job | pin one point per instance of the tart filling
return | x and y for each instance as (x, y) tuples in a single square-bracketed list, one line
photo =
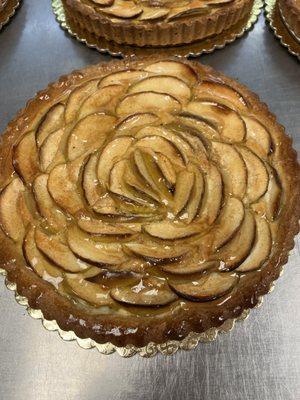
[(146, 199)]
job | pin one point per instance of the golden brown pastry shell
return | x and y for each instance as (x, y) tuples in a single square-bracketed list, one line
[(140, 330), (290, 10)]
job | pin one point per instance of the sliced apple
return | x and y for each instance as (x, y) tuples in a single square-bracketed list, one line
[(258, 138), (96, 252), (147, 292), (90, 184), (171, 230), (111, 154), (98, 227), (93, 293), (103, 2), (25, 157), (123, 9), (232, 167), (189, 266), (11, 220), (184, 185), (166, 167), (163, 84), (89, 134), (103, 99), (229, 123), (212, 198), (187, 10), (203, 127), (261, 248), (124, 77), (46, 206), (58, 252), (133, 178), (257, 175), (174, 68), (136, 121), (210, 287), (195, 197), (77, 97), (239, 247), (36, 259), (50, 149), (51, 122), (152, 13), (157, 251)]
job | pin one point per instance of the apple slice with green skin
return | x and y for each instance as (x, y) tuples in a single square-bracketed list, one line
[(184, 11), (123, 77), (46, 206), (257, 175), (50, 151), (258, 138), (184, 184), (196, 195), (103, 99), (147, 292), (123, 9), (136, 121), (228, 222), (93, 293), (86, 248), (58, 252), (152, 13), (225, 94), (36, 259), (163, 84), (261, 249), (25, 157), (174, 68), (77, 97), (98, 227), (89, 134), (212, 198), (234, 252), (52, 121), (147, 102), (157, 251), (210, 287), (232, 168), (171, 230), (229, 123), (111, 154), (11, 220)]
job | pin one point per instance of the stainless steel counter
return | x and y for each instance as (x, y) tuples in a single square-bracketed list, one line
[(259, 360)]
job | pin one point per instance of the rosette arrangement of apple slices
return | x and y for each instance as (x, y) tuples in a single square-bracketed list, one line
[(145, 185)]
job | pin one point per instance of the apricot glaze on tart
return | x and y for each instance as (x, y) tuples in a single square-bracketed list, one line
[(290, 10), (156, 22), (142, 200)]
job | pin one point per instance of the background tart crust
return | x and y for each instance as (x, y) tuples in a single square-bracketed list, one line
[(291, 12), (139, 330), (157, 32)]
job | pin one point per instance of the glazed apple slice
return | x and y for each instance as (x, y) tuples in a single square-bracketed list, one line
[(77, 97), (239, 247), (136, 121), (171, 230), (123, 77), (111, 154), (93, 293), (163, 84), (147, 292), (58, 252), (258, 138), (187, 10), (147, 102), (167, 169), (189, 266), (103, 2), (50, 154), (11, 220), (99, 227), (91, 186), (257, 175), (225, 94), (210, 287), (174, 68), (89, 134), (123, 9), (25, 157), (152, 13), (102, 99), (134, 179), (52, 121), (261, 248), (195, 197), (184, 185), (229, 123), (36, 259), (93, 251), (204, 128), (232, 167), (157, 251), (46, 206), (212, 198)]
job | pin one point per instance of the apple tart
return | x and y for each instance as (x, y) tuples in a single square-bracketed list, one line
[(290, 10), (145, 199), (156, 22), (2, 4)]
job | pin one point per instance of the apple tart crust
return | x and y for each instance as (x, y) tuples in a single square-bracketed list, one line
[(156, 22), (290, 10), (145, 199)]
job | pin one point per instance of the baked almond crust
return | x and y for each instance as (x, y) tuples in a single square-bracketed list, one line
[(157, 32), (290, 10), (164, 323)]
